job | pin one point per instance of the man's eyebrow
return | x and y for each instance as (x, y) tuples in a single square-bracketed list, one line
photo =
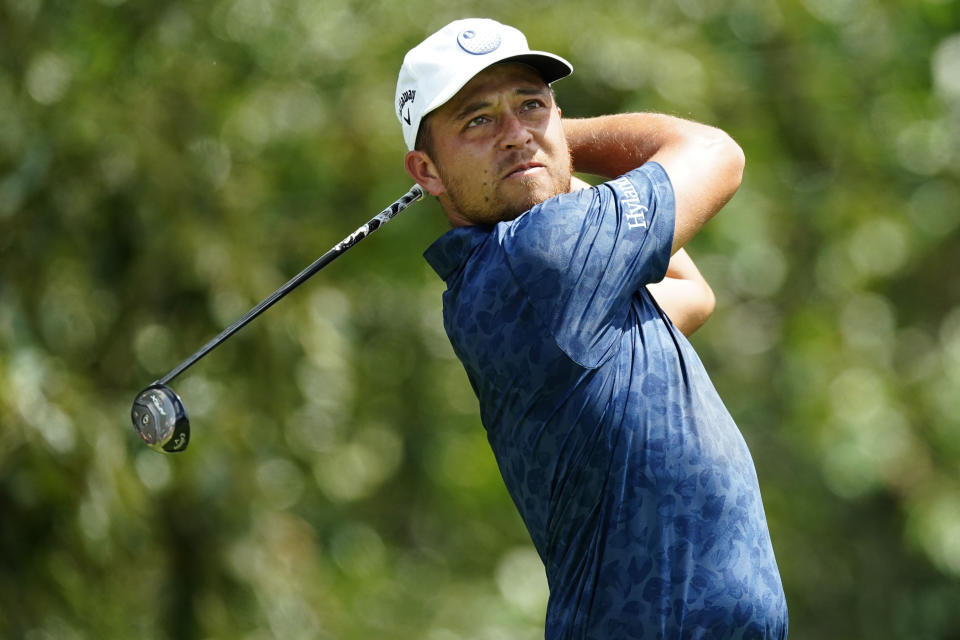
[(470, 107)]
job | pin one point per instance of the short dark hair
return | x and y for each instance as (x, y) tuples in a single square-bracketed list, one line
[(424, 141)]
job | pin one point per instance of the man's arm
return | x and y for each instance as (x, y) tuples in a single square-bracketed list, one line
[(704, 164), (705, 167), (684, 294)]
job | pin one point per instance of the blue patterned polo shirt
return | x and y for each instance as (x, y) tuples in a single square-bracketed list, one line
[(635, 484)]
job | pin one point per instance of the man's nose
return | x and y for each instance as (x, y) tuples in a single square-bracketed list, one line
[(514, 133)]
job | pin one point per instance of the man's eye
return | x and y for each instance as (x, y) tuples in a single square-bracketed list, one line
[(532, 104), (473, 122)]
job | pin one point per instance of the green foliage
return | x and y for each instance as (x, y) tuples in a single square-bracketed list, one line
[(165, 165)]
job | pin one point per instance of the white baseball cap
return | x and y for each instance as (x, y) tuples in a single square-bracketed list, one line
[(437, 68)]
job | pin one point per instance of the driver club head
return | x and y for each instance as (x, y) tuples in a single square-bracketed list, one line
[(160, 419)]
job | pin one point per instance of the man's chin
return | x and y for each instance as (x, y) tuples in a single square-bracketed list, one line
[(526, 194), (510, 200), (517, 206)]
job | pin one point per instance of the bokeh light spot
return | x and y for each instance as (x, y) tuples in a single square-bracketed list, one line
[(48, 78), (522, 582)]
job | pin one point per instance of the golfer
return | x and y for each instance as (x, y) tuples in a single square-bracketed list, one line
[(568, 306)]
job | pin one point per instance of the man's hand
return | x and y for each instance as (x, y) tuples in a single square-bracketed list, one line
[(684, 294), (705, 165)]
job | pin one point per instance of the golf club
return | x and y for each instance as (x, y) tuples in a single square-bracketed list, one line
[(158, 414)]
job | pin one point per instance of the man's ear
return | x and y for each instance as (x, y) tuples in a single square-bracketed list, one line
[(422, 169)]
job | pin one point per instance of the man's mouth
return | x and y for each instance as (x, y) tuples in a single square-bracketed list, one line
[(523, 169)]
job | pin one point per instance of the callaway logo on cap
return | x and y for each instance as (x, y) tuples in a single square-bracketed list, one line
[(437, 68)]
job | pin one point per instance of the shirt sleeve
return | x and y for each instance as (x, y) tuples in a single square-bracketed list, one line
[(581, 256)]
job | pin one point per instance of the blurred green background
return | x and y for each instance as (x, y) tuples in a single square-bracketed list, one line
[(165, 165)]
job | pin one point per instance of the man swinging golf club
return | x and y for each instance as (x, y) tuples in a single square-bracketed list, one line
[(568, 306)]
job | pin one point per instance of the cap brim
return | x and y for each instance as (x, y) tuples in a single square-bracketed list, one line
[(550, 67)]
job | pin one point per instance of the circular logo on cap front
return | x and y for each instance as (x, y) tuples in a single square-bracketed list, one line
[(478, 41)]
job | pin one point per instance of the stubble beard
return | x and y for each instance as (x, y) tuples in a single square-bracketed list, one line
[(491, 208)]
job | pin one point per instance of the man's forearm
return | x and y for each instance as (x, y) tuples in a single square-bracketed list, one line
[(684, 294), (611, 145)]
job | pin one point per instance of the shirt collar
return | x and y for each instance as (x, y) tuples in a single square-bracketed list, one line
[(450, 251)]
